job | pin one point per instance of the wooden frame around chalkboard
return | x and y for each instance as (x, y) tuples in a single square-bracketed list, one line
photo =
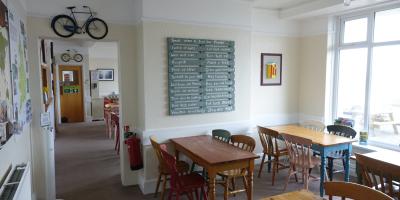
[(276, 60)]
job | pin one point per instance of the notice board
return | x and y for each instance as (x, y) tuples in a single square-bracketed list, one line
[(201, 76)]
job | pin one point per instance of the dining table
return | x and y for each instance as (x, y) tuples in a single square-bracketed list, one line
[(216, 156), (295, 195), (325, 143)]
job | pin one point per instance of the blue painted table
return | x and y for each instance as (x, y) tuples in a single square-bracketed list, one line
[(324, 143)]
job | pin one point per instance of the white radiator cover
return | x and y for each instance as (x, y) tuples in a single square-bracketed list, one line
[(24, 191)]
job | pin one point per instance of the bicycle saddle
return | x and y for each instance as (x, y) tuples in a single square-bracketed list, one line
[(71, 7)]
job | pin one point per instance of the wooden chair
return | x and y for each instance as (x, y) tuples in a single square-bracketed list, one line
[(245, 143), (107, 119), (183, 183), (353, 191), (300, 157), (116, 130), (379, 175), (222, 135), (270, 142), (164, 174), (344, 131), (313, 125)]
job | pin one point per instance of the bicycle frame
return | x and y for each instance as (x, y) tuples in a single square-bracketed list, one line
[(81, 12)]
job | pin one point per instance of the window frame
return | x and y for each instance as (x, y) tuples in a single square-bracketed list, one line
[(369, 44)]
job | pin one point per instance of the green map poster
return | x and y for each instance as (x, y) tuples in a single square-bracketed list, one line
[(19, 70), (5, 81)]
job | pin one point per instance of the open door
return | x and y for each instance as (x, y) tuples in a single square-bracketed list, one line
[(71, 94)]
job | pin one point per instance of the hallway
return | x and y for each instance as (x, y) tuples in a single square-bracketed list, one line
[(87, 167)]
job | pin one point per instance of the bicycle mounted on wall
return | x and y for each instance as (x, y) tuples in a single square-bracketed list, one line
[(67, 56), (67, 25)]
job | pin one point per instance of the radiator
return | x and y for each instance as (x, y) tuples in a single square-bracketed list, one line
[(18, 184)]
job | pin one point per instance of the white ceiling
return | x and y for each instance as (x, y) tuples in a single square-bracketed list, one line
[(277, 4), (131, 11), (110, 10)]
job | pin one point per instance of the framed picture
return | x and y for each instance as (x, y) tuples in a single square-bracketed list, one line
[(105, 74), (271, 69)]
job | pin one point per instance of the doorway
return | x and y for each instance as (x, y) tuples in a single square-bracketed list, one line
[(71, 94)]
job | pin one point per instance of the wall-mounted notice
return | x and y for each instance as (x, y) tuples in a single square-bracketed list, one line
[(201, 76)]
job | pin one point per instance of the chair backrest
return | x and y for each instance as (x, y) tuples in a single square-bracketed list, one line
[(221, 134), (353, 191), (244, 142), (378, 175), (170, 163), (269, 140), (157, 149), (299, 150), (313, 125), (341, 130)]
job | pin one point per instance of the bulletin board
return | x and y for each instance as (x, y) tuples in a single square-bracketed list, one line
[(201, 76)]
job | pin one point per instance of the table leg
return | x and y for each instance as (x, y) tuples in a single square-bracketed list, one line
[(250, 171), (211, 185), (322, 171), (269, 164), (347, 168)]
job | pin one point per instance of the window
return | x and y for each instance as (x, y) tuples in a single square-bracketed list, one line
[(367, 75)]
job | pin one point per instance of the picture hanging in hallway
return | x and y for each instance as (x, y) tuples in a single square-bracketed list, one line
[(105, 74)]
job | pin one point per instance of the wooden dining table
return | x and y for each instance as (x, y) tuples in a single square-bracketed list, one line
[(216, 156), (295, 195), (324, 143)]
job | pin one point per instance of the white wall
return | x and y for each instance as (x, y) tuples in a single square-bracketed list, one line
[(275, 104), (17, 150), (104, 55)]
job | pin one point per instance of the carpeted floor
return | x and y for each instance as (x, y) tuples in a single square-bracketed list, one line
[(87, 168)]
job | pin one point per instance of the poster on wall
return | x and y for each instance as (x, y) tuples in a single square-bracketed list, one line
[(22, 109), (271, 69), (5, 76)]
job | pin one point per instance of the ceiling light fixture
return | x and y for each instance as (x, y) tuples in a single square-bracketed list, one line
[(346, 2)]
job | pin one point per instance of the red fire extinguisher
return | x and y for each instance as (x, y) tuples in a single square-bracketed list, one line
[(134, 152)]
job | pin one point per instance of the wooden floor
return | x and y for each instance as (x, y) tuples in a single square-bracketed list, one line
[(87, 168)]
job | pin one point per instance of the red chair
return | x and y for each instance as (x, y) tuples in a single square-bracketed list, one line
[(183, 183)]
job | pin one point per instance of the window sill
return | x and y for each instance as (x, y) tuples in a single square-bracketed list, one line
[(371, 147)]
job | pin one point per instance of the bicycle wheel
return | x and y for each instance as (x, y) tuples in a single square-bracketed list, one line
[(65, 57), (78, 57), (97, 28), (63, 26)]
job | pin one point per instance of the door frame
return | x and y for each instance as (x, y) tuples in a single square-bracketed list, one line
[(58, 92)]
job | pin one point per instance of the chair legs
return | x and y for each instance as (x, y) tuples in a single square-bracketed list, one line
[(288, 178), (158, 185), (164, 187), (330, 169), (292, 171), (261, 166)]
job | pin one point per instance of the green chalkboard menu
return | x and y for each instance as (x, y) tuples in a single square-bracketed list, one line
[(201, 76)]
